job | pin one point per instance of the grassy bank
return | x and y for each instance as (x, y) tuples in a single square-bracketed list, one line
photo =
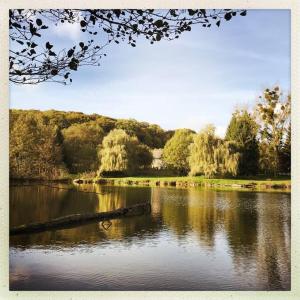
[(249, 183)]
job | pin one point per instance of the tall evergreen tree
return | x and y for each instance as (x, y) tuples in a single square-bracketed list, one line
[(285, 157), (242, 129)]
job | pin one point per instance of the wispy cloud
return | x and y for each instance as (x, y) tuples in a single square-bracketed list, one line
[(197, 79), (67, 30)]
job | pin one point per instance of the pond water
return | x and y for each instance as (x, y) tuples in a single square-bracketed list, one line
[(193, 239)]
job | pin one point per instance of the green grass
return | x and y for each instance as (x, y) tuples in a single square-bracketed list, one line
[(201, 179)]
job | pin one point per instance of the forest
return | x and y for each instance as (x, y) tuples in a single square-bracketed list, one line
[(54, 145)]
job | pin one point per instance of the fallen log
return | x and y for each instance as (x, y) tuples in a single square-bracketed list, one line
[(79, 219)]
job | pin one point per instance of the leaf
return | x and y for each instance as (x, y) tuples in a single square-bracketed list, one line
[(244, 13), (82, 23), (227, 16), (218, 23), (33, 45), (73, 65), (39, 22), (191, 12), (20, 42), (44, 27), (117, 12), (132, 44), (32, 29), (81, 44), (158, 23), (17, 25), (93, 19), (70, 52), (54, 72), (203, 11), (158, 37), (48, 46), (51, 53)]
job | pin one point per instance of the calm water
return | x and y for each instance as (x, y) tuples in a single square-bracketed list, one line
[(194, 239)]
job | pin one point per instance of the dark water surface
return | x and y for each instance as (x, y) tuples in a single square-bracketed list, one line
[(194, 239)]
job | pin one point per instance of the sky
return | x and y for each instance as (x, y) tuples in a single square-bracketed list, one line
[(195, 80)]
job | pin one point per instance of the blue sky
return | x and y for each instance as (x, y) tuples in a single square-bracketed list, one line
[(198, 79)]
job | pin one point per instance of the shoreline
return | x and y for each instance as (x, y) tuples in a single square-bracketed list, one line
[(248, 184), (268, 184)]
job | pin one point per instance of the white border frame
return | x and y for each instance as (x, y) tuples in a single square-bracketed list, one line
[(293, 5)]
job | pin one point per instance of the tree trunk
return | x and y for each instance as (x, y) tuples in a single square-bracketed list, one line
[(79, 219)]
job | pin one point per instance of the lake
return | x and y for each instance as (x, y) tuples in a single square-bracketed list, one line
[(193, 239)]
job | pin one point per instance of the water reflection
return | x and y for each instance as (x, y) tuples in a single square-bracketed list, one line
[(245, 233)]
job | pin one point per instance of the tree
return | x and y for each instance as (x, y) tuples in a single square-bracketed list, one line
[(285, 153), (176, 151), (273, 115), (144, 156), (242, 129), (34, 148), (32, 60), (211, 156), (80, 142), (122, 154)]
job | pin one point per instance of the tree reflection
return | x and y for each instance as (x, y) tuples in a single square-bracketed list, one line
[(256, 226)]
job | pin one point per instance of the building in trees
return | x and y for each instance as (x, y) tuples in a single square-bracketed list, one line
[(242, 129), (157, 162)]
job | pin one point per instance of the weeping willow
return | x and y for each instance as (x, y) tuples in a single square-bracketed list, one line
[(117, 152), (226, 158), (211, 156)]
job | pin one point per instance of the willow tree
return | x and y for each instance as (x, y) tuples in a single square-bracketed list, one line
[(243, 130), (122, 154), (210, 156), (273, 112), (176, 151), (80, 142)]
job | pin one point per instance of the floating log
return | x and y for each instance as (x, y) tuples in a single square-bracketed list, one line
[(79, 219)]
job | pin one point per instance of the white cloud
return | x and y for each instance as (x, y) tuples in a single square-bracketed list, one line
[(68, 30)]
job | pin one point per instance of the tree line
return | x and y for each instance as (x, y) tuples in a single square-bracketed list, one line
[(54, 144)]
